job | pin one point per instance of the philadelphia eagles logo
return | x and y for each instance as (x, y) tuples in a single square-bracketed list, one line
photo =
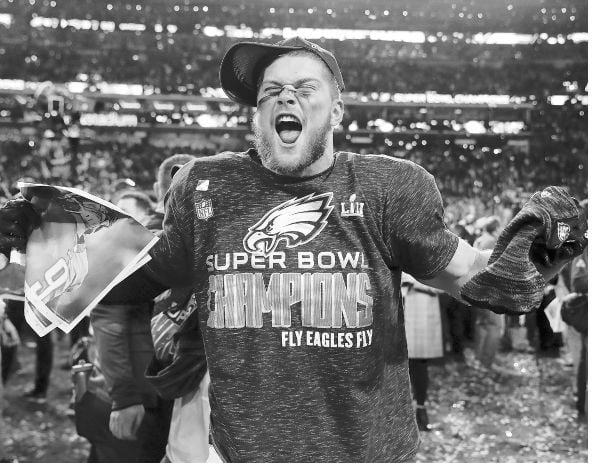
[(296, 222)]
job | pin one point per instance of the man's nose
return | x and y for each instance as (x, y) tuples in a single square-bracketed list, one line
[(287, 95)]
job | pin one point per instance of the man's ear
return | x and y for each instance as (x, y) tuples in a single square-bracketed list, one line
[(337, 109)]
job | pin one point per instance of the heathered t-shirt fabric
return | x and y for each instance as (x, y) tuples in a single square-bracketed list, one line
[(301, 314)]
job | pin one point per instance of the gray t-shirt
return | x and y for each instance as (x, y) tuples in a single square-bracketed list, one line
[(299, 286)]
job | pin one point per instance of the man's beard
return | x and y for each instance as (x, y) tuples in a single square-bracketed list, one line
[(313, 150)]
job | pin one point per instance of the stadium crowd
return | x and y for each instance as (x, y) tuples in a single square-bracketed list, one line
[(183, 62), (178, 61), (462, 171), (460, 15)]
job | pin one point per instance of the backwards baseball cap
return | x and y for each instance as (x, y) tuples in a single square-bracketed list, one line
[(245, 61)]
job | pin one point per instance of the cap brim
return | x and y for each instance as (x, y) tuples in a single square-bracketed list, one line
[(175, 169), (241, 67)]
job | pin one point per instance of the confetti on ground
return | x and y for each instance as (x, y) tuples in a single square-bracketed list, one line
[(475, 417), (481, 417)]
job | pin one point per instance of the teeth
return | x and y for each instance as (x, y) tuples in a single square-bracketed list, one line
[(287, 118)]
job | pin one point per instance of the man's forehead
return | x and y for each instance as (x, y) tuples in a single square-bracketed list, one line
[(296, 64)]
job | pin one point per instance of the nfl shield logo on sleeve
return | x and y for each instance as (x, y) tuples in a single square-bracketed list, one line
[(563, 231), (203, 208)]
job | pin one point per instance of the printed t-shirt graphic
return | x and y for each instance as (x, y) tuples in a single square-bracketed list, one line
[(296, 222), (326, 299)]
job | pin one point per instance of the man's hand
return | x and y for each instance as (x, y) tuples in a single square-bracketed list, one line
[(565, 240), (124, 423), (18, 218)]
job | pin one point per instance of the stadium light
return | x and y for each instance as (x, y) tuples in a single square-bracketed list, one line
[(6, 19), (76, 86), (578, 37), (163, 106), (112, 119), (132, 27), (557, 99), (12, 85), (475, 127), (135, 105), (212, 31)]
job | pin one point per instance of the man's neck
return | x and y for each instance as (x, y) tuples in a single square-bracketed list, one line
[(319, 166)]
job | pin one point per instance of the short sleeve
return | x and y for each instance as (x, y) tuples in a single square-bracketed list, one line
[(420, 242), (172, 256)]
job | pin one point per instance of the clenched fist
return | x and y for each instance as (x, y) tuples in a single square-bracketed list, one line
[(18, 219)]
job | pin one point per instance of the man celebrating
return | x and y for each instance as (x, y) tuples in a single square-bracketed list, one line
[(295, 254)]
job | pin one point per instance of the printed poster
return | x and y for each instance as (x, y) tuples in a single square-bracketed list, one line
[(82, 249)]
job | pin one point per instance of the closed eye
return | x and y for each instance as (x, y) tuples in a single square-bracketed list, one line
[(306, 89), (272, 90), (300, 89)]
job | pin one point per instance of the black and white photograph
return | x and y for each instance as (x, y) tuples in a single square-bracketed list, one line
[(307, 231)]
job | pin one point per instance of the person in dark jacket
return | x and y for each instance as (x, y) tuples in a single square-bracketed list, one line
[(579, 285), (124, 347), (124, 343)]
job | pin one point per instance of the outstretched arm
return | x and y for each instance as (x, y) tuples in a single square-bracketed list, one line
[(172, 255), (138, 288), (467, 261)]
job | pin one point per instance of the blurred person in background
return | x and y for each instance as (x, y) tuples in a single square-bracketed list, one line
[(423, 330), (489, 235), (166, 171), (540, 333), (79, 331), (9, 338), (178, 369), (37, 392), (574, 312), (124, 347), (92, 408), (579, 285), (3, 458), (459, 320), (129, 426), (179, 372), (489, 326), (73, 134), (138, 412), (135, 203), (44, 348), (10, 361)]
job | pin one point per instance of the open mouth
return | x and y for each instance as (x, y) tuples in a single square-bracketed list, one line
[(288, 128)]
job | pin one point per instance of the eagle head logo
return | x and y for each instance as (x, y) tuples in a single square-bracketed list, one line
[(295, 222)]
